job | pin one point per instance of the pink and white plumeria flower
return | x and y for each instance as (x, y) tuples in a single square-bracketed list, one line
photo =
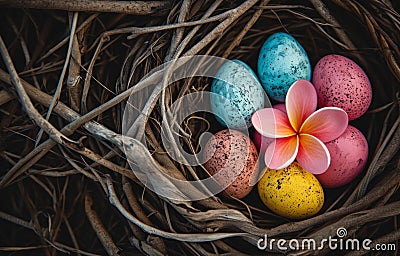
[(301, 132)]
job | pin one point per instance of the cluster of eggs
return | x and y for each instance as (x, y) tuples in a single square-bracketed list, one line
[(290, 192)]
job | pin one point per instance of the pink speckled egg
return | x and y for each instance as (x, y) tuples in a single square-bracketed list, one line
[(262, 142), (280, 106), (232, 159), (340, 82), (349, 154)]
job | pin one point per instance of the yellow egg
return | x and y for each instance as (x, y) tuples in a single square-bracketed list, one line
[(291, 192)]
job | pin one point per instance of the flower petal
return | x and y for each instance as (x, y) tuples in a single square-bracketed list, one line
[(281, 152), (272, 123), (313, 155), (301, 102), (326, 123)]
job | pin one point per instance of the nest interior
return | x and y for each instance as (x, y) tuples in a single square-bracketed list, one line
[(69, 188)]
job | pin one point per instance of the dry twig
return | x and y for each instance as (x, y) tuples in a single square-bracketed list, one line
[(57, 93), (127, 7), (99, 229), (219, 28), (26, 102)]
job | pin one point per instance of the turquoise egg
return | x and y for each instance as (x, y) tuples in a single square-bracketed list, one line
[(282, 61), (236, 94)]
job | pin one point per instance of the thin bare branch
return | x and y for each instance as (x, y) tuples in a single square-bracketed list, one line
[(127, 7), (57, 93), (199, 237), (5, 97), (26, 101), (99, 229)]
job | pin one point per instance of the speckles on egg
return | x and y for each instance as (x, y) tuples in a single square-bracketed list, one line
[(282, 61), (236, 95), (349, 154), (291, 192), (340, 82), (233, 160)]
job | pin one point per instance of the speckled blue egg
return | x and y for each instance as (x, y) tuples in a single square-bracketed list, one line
[(236, 95), (282, 61)]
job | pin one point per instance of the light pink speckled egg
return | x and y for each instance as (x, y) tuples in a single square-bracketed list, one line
[(232, 159), (340, 82), (349, 154), (280, 106), (262, 142)]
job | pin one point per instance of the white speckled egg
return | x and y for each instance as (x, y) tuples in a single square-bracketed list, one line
[(236, 95), (282, 61), (340, 82), (349, 154), (291, 192), (233, 161)]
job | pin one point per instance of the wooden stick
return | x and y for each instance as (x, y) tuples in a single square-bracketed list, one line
[(194, 237), (99, 229), (386, 153), (77, 121), (74, 84), (127, 7), (242, 33), (360, 218), (80, 29), (16, 220), (57, 93), (389, 239), (154, 241), (26, 101), (325, 13), (5, 97), (30, 225), (218, 30), (178, 33)]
